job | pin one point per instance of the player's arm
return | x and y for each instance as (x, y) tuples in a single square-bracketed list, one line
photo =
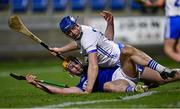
[(69, 47), (157, 3), (109, 33), (57, 90), (52, 89), (92, 71)]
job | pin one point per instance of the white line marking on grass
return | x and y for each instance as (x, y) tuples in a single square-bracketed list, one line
[(139, 95), (66, 104)]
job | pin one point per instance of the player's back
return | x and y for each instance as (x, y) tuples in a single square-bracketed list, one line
[(108, 51), (172, 7)]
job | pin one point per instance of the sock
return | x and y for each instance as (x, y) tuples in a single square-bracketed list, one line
[(156, 66), (130, 89)]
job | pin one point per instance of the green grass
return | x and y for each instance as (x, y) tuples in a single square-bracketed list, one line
[(19, 94)]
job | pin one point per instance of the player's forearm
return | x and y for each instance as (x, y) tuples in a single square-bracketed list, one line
[(107, 15), (92, 75), (69, 47), (92, 71), (41, 86), (109, 33), (58, 90)]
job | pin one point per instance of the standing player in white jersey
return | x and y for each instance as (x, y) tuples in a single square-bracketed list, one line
[(172, 30), (103, 52)]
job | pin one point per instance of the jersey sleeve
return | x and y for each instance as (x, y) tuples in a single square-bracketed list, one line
[(83, 82), (90, 41)]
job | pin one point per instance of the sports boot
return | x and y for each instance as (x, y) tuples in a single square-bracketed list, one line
[(141, 88), (168, 73)]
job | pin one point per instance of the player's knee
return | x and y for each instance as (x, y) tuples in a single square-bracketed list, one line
[(128, 50), (167, 49), (169, 46), (109, 87)]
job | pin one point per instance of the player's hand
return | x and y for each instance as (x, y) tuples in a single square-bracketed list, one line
[(31, 79), (88, 90), (107, 16), (55, 51), (147, 3)]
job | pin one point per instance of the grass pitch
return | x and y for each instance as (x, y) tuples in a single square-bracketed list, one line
[(19, 94)]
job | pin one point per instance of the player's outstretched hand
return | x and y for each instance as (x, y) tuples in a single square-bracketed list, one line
[(31, 79), (107, 16)]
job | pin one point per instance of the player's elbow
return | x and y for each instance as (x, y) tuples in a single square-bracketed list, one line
[(94, 67), (129, 50)]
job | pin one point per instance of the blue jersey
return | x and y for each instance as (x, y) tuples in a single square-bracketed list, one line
[(104, 75)]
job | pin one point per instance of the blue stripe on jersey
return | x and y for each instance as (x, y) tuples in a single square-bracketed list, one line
[(121, 46), (104, 75), (105, 52), (92, 51)]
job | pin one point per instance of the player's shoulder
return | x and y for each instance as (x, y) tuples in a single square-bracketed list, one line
[(85, 27), (87, 31)]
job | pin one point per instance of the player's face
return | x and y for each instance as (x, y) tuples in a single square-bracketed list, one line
[(74, 32), (75, 69)]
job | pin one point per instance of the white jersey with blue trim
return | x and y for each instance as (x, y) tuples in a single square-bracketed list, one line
[(92, 40), (172, 7)]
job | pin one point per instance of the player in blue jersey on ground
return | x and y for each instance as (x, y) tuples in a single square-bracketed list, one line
[(103, 52), (108, 80)]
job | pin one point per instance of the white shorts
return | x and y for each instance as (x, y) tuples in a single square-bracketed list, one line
[(119, 74)]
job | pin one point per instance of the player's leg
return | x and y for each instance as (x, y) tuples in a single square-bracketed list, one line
[(153, 76), (123, 82), (117, 86), (130, 73), (123, 85), (169, 47), (143, 59), (172, 34), (128, 66), (178, 46)]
